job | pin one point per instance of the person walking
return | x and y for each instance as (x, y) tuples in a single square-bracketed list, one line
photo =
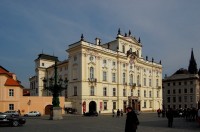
[(131, 121), (118, 113), (170, 117)]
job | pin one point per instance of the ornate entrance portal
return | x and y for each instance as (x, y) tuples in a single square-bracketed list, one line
[(134, 103), (92, 106)]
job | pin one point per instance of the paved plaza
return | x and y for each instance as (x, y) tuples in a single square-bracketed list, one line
[(149, 122)]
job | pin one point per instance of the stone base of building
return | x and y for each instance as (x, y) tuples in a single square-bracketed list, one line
[(56, 113)]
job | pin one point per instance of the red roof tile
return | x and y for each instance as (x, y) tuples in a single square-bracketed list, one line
[(12, 82), (4, 71)]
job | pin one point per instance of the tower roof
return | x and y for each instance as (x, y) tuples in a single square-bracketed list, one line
[(192, 68)]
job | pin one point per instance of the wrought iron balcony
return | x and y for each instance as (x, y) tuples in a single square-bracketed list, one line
[(92, 80)]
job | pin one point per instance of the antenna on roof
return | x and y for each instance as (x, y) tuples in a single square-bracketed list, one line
[(42, 51)]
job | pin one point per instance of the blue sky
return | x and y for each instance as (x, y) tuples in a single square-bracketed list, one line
[(168, 29)]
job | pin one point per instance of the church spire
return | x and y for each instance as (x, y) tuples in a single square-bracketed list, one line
[(192, 68)]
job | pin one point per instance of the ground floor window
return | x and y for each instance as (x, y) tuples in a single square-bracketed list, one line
[(114, 105), (11, 106), (105, 105)]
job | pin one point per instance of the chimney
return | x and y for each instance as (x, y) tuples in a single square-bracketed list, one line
[(97, 41)]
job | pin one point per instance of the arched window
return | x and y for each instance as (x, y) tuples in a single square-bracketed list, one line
[(91, 72)]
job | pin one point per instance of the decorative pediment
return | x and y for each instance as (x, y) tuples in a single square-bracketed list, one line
[(91, 63)]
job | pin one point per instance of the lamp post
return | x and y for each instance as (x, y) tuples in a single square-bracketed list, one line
[(55, 86)]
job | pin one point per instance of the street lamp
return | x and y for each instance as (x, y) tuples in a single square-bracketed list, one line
[(55, 86)]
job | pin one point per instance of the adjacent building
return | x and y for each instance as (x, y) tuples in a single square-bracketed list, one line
[(182, 89), (104, 77), (11, 96)]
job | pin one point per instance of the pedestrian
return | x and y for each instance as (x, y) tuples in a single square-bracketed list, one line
[(159, 112), (121, 112), (118, 113), (131, 121), (170, 117), (113, 113)]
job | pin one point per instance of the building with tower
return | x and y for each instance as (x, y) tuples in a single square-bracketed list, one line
[(104, 77), (182, 89)]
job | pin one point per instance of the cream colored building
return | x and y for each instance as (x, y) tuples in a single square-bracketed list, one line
[(103, 77)]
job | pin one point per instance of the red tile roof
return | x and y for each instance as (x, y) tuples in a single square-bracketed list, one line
[(12, 82), (4, 71)]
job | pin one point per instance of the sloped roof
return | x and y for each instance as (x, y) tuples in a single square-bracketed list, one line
[(12, 82), (181, 71), (4, 71)]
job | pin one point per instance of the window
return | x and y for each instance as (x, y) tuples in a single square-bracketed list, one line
[(185, 83), (157, 94), (191, 90), (168, 99), (123, 48), (104, 91), (11, 92), (114, 91), (185, 90), (150, 94), (174, 84), (11, 106), (179, 83), (179, 91), (185, 98), (91, 72), (179, 99), (168, 84), (174, 91), (113, 63), (92, 91), (174, 99), (168, 91), (149, 82), (105, 105), (138, 93), (114, 105), (191, 99), (150, 104), (157, 83), (104, 62), (145, 104), (144, 81), (131, 92), (191, 82), (113, 77), (124, 78), (104, 76), (91, 58), (42, 64), (75, 91), (124, 92), (145, 93), (138, 80), (124, 65)]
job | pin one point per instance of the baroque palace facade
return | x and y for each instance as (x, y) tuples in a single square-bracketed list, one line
[(104, 77)]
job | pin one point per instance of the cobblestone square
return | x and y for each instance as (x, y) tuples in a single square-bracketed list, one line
[(103, 123)]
